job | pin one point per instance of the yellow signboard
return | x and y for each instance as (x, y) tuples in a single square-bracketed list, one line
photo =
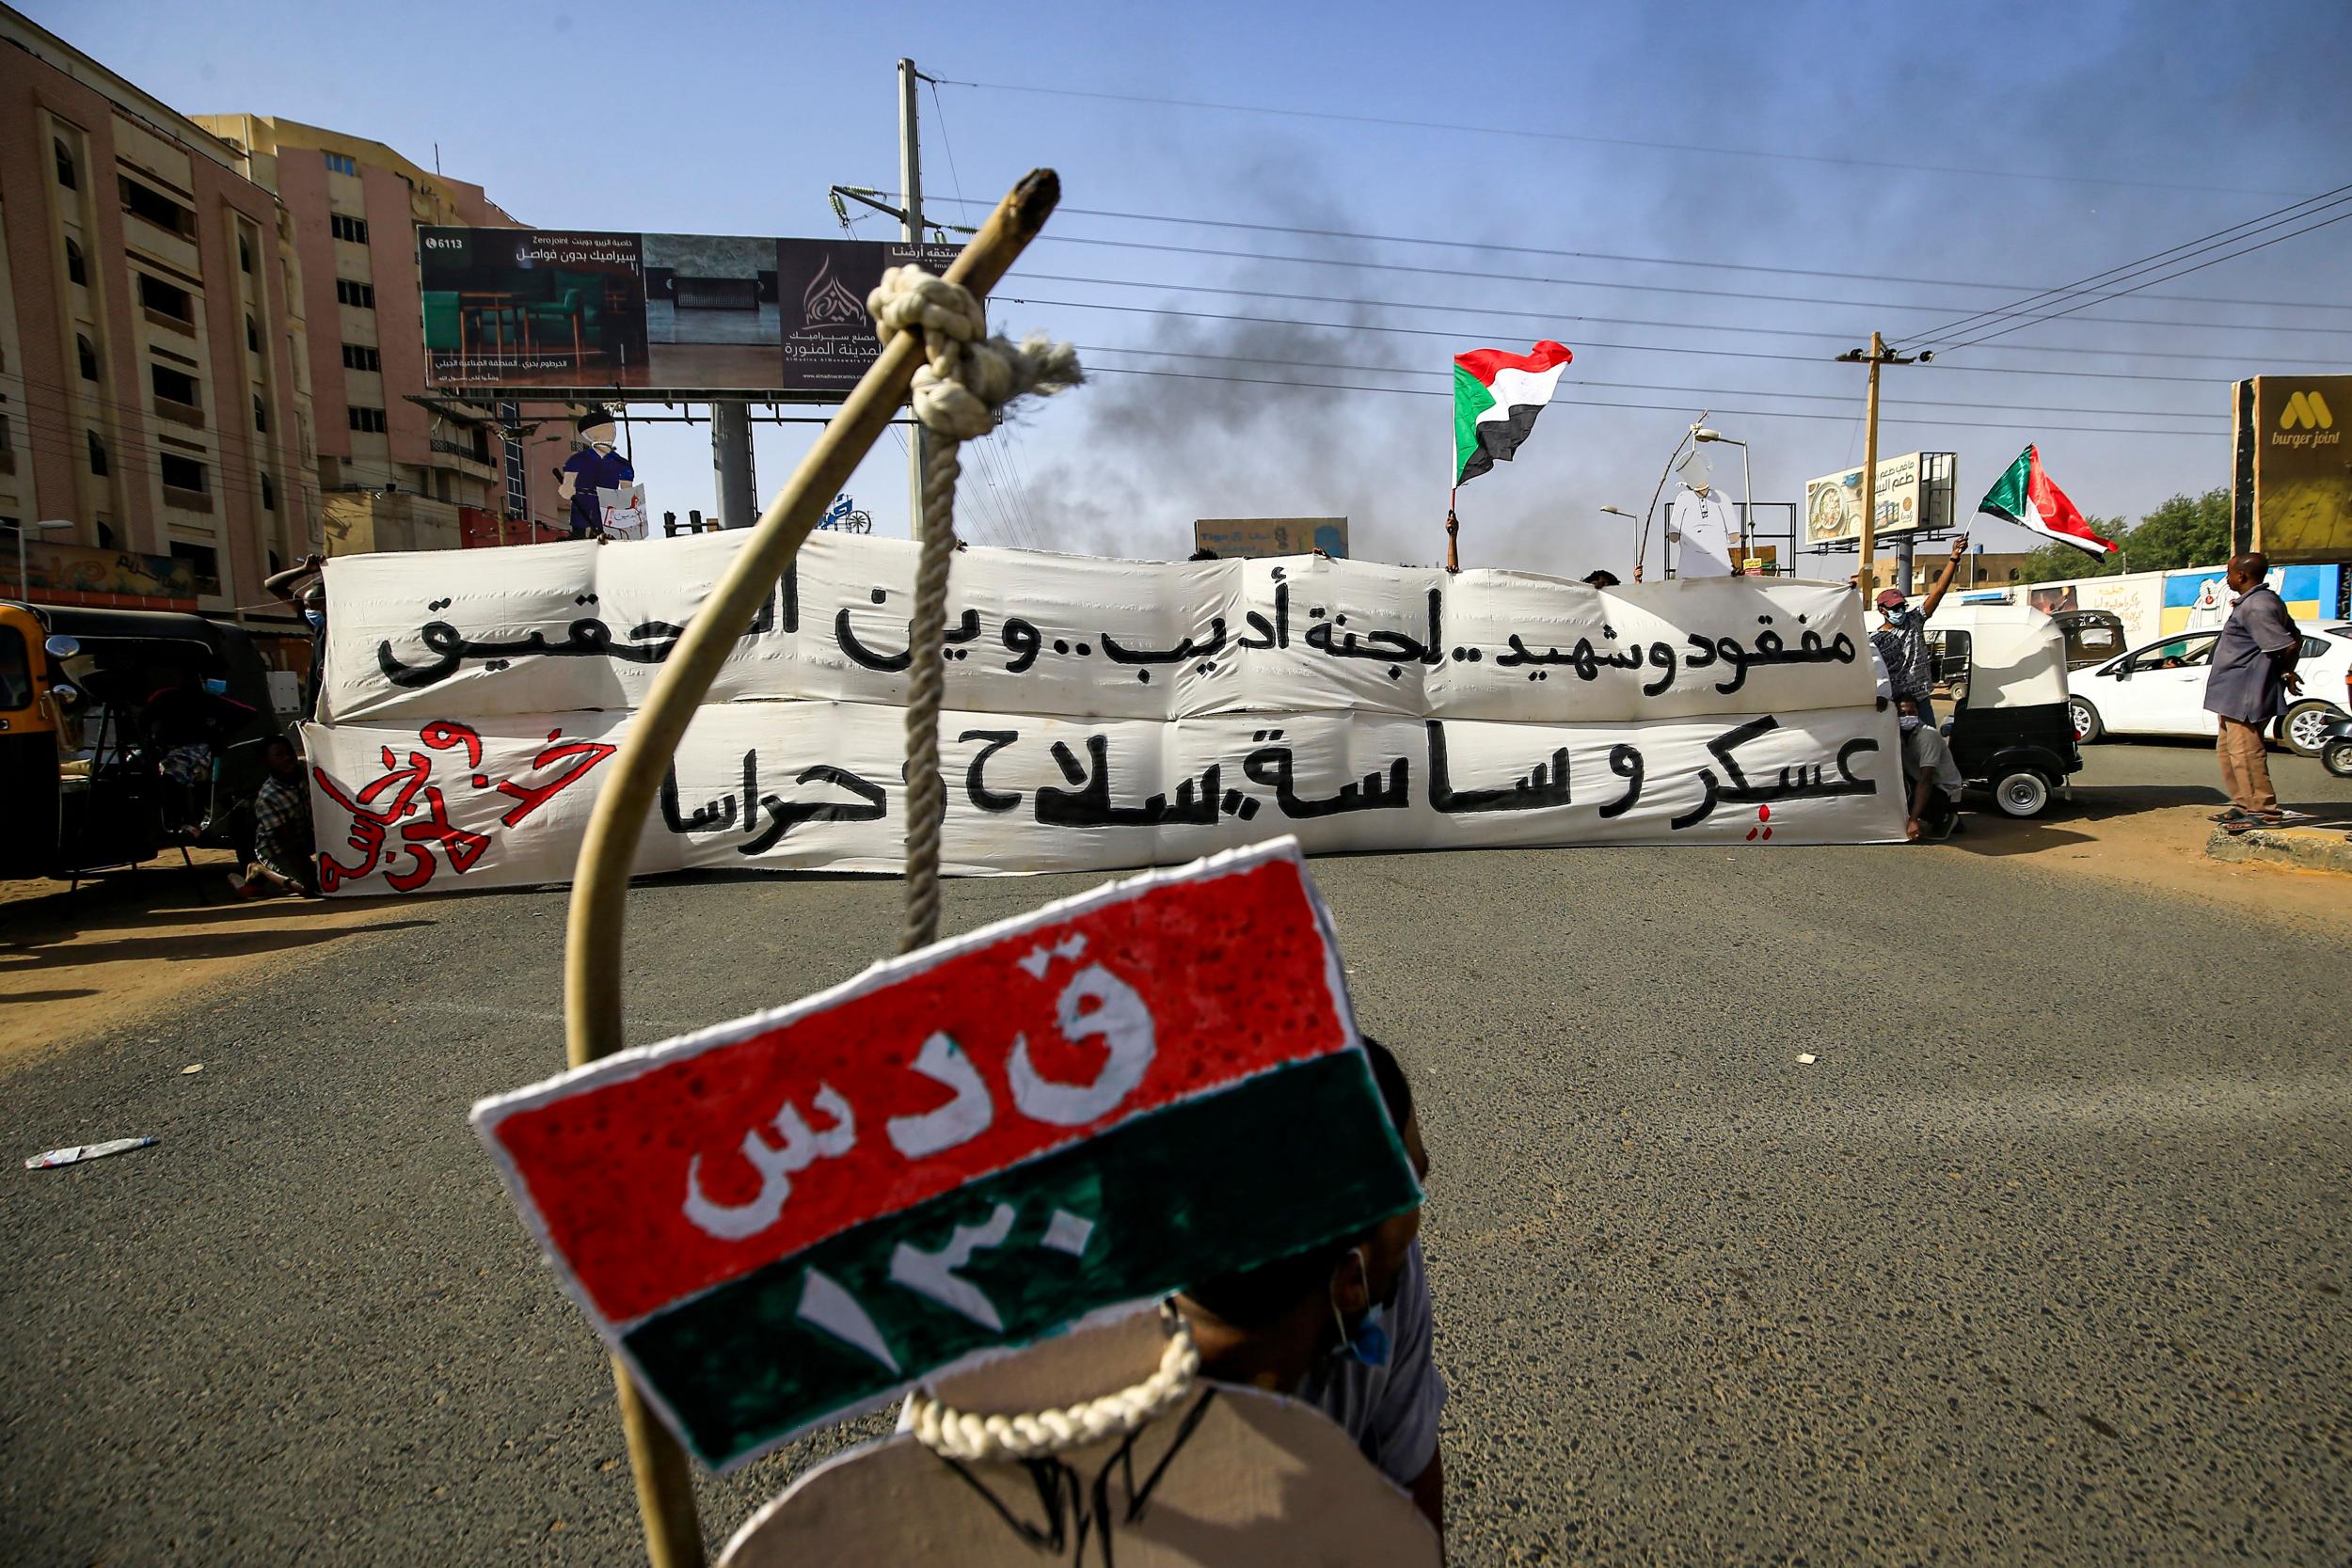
[(1252, 538), (2293, 476)]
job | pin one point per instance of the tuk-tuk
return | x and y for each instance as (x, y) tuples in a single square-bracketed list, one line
[(2010, 730), (2093, 635), (123, 733)]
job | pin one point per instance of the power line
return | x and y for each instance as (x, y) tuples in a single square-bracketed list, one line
[(1601, 141), (1492, 246), (1649, 386), (1671, 407), (2265, 245), (1455, 336), (1555, 317), (2196, 246)]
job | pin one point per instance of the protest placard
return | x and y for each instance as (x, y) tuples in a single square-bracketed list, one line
[(783, 1220)]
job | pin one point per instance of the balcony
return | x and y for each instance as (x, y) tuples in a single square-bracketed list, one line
[(187, 500), (464, 452), (183, 413), (174, 323)]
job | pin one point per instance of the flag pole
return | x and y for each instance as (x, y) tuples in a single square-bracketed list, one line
[(1452, 528)]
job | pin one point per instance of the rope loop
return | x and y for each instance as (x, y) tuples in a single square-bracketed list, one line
[(965, 378), (958, 1434)]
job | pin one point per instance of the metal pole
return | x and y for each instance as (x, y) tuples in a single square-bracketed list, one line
[(731, 456), (24, 573), (910, 230), (1869, 541)]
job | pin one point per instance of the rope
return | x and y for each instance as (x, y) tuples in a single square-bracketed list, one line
[(967, 376), (957, 1435)]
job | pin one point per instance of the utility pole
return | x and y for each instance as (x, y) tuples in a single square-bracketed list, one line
[(1877, 356), (910, 230), (731, 458)]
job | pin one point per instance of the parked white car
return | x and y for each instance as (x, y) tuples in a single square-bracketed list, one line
[(2160, 689)]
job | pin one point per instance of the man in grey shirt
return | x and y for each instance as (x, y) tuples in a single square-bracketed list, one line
[(1901, 638), (1345, 1327), (2254, 670)]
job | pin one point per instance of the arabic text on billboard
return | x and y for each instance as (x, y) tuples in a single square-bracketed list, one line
[(603, 314), (1833, 503), (1258, 538)]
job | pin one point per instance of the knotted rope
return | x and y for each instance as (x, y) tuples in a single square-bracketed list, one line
[(967, 376), (960, 1435)]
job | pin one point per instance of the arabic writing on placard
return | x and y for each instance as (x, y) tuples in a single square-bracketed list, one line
[(405, 813)]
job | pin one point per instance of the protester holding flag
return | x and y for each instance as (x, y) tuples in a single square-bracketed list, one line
[(1496, 396), (1901, 638)]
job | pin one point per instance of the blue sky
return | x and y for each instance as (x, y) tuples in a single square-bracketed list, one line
[(1863, 165)]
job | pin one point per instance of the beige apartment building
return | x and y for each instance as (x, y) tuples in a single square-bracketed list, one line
[(157, 435), (394, 473)]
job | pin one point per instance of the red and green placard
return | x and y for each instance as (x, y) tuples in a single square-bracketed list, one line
[(787, 1219)]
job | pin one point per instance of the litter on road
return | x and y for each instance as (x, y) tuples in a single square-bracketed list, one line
[(1805, 1060), (79, 1152)]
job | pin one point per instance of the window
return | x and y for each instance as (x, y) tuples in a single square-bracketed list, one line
[(360, 294), (174, 385), (183, 473), (2314, 648), (252, 333), (354, 229), (245, 254), (97, 453), (105, 536), (16, 670), (338, 164), (358, 356), (205, 559), (65, 164), (88, 356), (269, 504), (2182, 653), (158, 208), (76, 270), (166, 300), (261, 415), (366, 418)]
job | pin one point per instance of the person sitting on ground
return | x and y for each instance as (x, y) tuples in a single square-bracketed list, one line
[(1902, 637), (1933, 803), (1346, 1327), (2252, 675), (1601, 578), (282, 846), (179, 738)]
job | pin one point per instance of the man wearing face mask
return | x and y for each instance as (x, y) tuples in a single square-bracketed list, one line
[(596, 465), (303, 585), (1902, 637), (1346, 1327)]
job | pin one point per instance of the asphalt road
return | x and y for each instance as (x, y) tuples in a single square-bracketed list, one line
[(2042, 1260)]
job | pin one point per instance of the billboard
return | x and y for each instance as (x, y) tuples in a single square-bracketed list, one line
[(598, 315), (2292, 478), (1914, 492), (112, 579), (1256, 538)]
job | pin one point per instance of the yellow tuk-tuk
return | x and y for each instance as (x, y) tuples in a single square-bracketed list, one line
[(122, 733)]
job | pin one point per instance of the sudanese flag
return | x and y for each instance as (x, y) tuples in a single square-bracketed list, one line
[(1496, 396)]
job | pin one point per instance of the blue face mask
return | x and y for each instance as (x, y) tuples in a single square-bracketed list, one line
[(1368, 1345), (317, 619), (1910, 723)]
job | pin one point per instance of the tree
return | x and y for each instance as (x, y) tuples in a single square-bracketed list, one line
[(2186, 531)]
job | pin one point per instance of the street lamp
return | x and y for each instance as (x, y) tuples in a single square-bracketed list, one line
[(1640, 542), (24, 576), (1747, 501)]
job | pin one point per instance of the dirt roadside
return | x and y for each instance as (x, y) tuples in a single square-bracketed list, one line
[(129, 945)]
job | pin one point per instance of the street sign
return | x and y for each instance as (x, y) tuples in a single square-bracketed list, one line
[(785, 1220)]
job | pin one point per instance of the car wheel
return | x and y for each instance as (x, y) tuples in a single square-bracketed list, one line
[(2337, 758), (2023, 793), (2086, 721), (2300, 730)]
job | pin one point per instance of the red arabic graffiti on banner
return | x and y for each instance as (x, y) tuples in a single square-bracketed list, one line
[(660, 1174), (401, 817)]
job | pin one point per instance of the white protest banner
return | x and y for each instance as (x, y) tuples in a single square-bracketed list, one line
[(1101, 714), (553, 629)]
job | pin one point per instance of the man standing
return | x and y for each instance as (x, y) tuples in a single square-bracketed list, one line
[(594, 467), (2254, 670), (1901, 638), (303, 585)]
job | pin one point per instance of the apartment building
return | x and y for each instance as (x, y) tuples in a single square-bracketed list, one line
[(395, 473), (156, 434)]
